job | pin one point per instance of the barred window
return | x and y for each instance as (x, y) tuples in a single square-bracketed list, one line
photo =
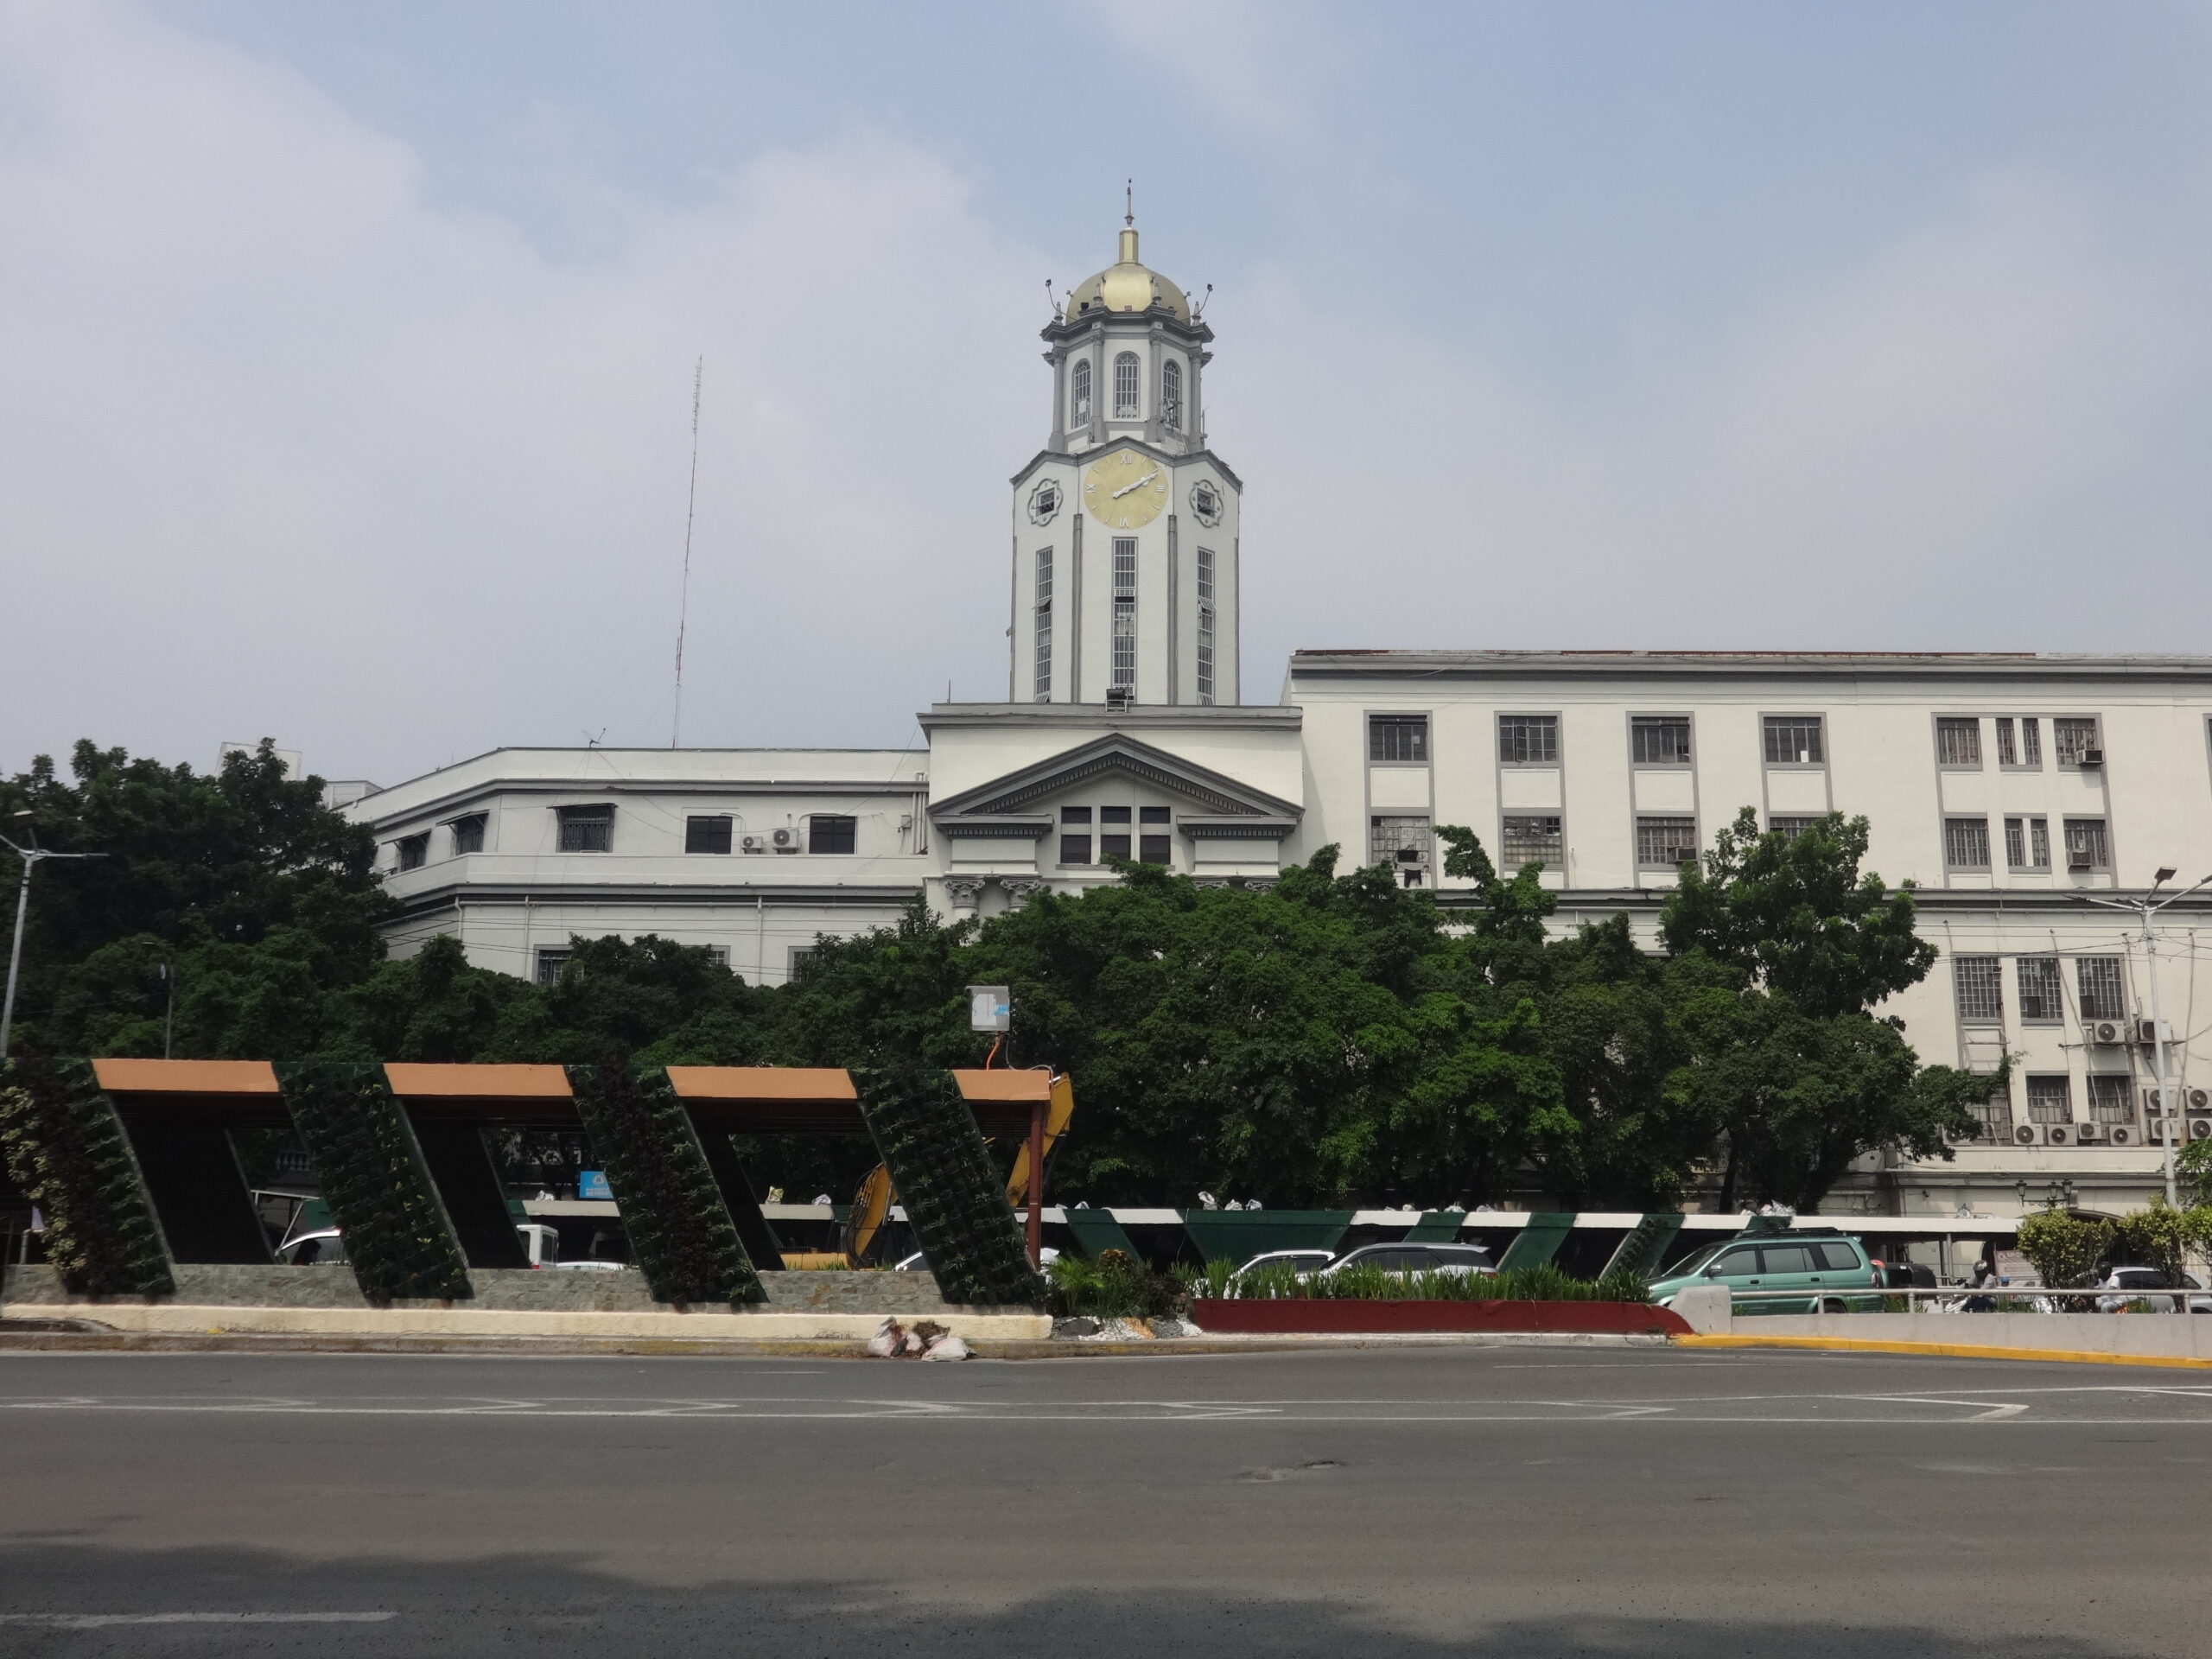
[(1170, 395), (1528, 740), (1532, 839), (1080, 393), (549, 963), (1793, 740), (2027, 843), (2112, 1097), (1995, 1113), (1966, 843), (1402, 842), (2041, 998), (707, 834), (2030, 741), (1075, 850), (1979, 983), (1660, 740), (832, 832), (2087, 845), (1665, 843), (1789, 828), (586, 829), (468, 834), (412, 852), (1125, 610), (2050, 1099), (2098, 988), (1205, 625), (2008, 754), (1958, 742), (1397, 737), (2072, 739), (1125, 386), (1042, 690)]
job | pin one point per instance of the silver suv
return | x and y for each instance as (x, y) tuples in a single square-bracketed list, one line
[(1415, 1258)]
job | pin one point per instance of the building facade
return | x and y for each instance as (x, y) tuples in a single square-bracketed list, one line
[(2011, 790)]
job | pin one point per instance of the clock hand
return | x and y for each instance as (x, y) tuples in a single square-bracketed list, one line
[(1139, 484)]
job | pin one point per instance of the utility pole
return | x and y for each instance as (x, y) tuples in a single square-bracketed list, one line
[(2148, 907), (30, 855)]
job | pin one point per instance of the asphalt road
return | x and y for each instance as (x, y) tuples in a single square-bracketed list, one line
[(1510, 1504)]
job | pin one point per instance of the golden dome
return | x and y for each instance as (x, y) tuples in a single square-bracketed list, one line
[(1126, 285)]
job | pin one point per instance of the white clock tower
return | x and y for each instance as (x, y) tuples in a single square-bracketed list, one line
[(1125, 525)]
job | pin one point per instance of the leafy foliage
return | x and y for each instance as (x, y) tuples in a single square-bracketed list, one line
[(1115, 1286), (2066, 1249), (67, 1151), (2162, 1236), (1280, 1282)]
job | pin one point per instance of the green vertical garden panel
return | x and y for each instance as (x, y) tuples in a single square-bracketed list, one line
[(1539, 1240), (681, 1234), (66, 1150), (1239, 1235), (398, 1237), (954, 1196)]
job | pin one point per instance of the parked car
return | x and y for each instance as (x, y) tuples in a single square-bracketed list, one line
[(1820, 1265), (1415, 1258), (320, 1248), (2133, 1281), (1301, 1262), (327, 1246), (919, 1263)]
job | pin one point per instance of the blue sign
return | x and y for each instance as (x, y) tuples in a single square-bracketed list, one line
[(592, 1184)]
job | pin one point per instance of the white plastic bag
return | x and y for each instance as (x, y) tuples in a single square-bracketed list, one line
[(889, 1336), (948, 1347)]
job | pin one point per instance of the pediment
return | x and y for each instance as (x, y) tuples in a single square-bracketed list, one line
[(1023, 792)]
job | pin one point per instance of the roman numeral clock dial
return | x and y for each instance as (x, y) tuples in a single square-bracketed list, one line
[(1125, 490)]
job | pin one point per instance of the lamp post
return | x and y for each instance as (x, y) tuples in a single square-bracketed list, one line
[(30, 855), (2148, 907)]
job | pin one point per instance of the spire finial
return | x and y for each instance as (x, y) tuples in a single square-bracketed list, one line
[(1129, 203)]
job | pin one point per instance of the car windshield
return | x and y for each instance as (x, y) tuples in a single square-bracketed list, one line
[(1698, 1258)]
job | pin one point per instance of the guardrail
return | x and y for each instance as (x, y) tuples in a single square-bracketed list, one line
[(1965, 1299)]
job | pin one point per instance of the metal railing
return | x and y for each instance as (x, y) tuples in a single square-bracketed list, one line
[(1965, 1299)]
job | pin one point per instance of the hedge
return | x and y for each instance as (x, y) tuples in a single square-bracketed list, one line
[(954, 1196), (398, 1237), (681, 1235), (66, 1150)]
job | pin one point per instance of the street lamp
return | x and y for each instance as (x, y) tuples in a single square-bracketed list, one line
[(2147, 907), (30, 855)]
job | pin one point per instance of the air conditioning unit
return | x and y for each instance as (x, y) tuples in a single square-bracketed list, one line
[(2080, 858), (752, 843), (2150, 1032), (785, 841), (2058, 1134), (2091, 760), (2152, 1104), (2104, 1032), (2085, 1132), (2200, 1129), (2199, 1100), (2121, 1135), (2161, 1130), (1412, 856), (2027, 1134)]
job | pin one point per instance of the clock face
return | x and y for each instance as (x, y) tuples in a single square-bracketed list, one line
[(1045, 502), (1205, 502), (1125, 491)]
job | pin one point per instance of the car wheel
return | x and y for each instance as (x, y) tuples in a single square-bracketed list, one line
[(1831, 1305)]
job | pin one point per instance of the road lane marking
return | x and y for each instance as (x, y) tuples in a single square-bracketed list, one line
[(93, 1621)]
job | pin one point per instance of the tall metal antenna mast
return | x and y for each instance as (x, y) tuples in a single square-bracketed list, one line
[(691, 509)]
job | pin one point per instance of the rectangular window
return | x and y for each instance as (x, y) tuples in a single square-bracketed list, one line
[(1402, 842), (1153, 849), (2050, 1099), (1979, 983), (2030, 741), (1398, 737), (2071, 740), (1042, 690), (1532, 838), (721, 954), (1075, 815), (1152, 815), (550, 962), (800, 956), (1112, 847), (1125, 611), (2008, 752), (2041, 998), (1075, 850), (1958, 742), (586, 829), (1793, 740), (1996, 1115), (1787, 826), (1966, 843), (707, 834), (1528, 740), (1205, 625), (412, 851), (1660, 740), (468, 834), (2097, 985), (2086, 847), (1113, 815), (1665, 843), (832, 833), (2027, 843), (2112, 1097), (1125, 386)]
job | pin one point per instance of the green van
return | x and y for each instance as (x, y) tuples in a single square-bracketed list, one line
[(1818, 1263)]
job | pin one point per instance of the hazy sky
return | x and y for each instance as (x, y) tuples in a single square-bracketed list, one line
[(346, 350)]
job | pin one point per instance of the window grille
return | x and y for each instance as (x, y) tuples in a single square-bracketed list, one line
[(2087, 845), (707, 834), (1075, 850), (2041, 998), (1152, 815), (2030, 741), (800, 956), (1113, 815), (1402, 842), (1787, 826), (1125, 609), (1205, 625), (1528, 740), (413, 851), (2027, 843), (1080, 393), (1170, 395), (549, 963), (1665, 843), (1660, 740), (2008, 754), (1043, 690), (1113, 846), (1398, 737), (586, 829), (1958, 742), (1075, 815), (1153, 849), (1793, 740), (2050, 1099), (827, 832), (1966, 843), (469, 833), (1125, 386), (1531, 839), (2097, 983), (2072, 739), (1996, 1115), (2112, 1097), (1979, 983)]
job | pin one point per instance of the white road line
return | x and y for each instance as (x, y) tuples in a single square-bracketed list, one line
[(92, 1621)]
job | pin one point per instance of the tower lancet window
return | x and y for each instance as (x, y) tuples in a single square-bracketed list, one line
[(1080, 393), (1170, 395), (1044, 693), (1125, 386), (1205, 625), (1125, 611)]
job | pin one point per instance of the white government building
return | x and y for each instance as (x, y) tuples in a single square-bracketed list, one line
[(2008, 786)]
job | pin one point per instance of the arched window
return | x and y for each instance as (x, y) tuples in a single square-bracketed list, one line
[(1170, 395), (1125, 386), (1080, 393)]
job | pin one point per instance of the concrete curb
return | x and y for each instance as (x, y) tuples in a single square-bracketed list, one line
[(1942, 1351)]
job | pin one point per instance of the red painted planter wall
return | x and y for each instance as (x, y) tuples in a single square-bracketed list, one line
[(1239, 1317)]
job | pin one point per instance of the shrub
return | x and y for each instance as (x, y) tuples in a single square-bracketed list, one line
[(66, 1149), (2162, 1236), (1114, 1285), (1280, 1282), (2064, 1249)]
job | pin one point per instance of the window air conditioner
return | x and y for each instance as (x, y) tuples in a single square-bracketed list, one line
[(2058, 1134), (752, 843), (1415, 857), (2199, 1100), (2027, 1134), (2121, 1135), (2150, 1033), (2104, 1032), (2078, 858), (2091, 760), (785, 841), (2085, 1133)]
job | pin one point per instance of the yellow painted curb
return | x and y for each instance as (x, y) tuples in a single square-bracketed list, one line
[(1942, 1350)]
